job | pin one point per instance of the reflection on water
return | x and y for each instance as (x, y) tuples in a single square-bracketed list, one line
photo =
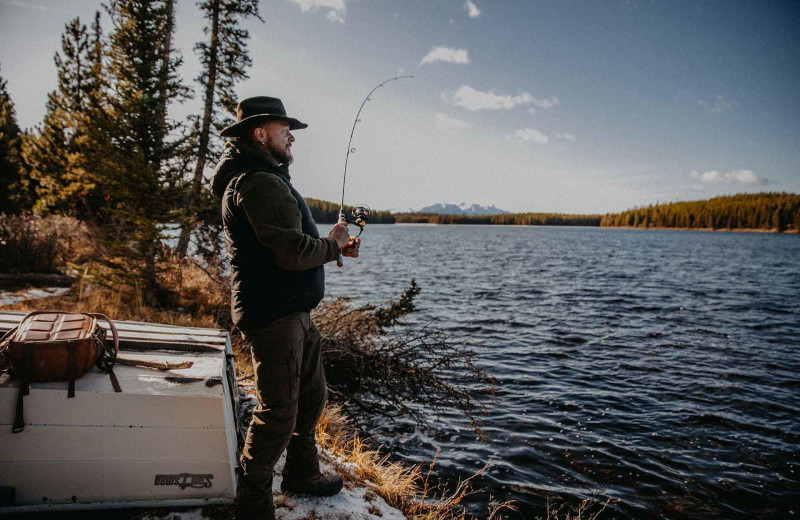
[(659, 366)]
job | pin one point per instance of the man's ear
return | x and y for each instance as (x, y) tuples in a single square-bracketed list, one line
[(259, 134)]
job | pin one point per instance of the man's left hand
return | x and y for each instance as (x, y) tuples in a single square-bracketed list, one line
[(351, 249)]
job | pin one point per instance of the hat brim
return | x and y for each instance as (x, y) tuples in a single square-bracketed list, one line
[(235, 129)]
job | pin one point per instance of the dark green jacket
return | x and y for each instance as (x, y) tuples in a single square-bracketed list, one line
[(273, 245)]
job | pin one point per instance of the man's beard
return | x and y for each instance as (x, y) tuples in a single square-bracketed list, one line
[(283, 156)]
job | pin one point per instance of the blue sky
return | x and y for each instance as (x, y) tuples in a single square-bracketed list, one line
[(568, 106)]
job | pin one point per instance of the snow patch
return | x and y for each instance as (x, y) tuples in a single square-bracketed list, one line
[(10, 298), (354, 502)]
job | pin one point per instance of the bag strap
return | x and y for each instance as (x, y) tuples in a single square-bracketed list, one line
[(6, 339), (106, 361), (24, 387), (114, 334), (24, 377), (72, 368)]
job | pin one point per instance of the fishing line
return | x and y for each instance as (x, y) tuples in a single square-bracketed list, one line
[(360, 213)]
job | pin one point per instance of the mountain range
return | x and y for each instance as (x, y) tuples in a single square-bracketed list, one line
[(462, 209)]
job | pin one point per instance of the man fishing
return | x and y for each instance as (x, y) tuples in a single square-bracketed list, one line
[(277, 277)]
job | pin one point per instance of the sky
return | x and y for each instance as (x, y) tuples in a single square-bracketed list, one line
[(546, 106)]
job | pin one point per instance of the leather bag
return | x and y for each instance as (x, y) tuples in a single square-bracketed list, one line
[(58, 346)]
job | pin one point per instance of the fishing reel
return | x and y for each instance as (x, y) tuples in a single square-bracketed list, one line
[(360, 217)]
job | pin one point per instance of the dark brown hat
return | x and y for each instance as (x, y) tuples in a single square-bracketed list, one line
[(260, 107)]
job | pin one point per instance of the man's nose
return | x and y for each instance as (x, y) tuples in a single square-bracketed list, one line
[(291, 138)]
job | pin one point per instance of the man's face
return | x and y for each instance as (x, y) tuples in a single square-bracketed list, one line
[(276, 140)]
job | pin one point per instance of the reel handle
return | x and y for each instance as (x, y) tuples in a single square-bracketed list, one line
[(340, 260)]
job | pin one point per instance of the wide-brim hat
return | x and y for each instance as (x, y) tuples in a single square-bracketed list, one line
[(260, 107)]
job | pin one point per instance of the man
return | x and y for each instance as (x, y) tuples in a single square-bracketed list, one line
[(277, 277)]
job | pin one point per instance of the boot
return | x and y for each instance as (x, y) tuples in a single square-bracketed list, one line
[(318, 485), (254, 502)]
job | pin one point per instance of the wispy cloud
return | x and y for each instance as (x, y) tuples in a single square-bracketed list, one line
[(472, 99), (447, 54), (32, 5), (543, 103), (717, 105), (733, 178), (335, 9), (472, 9), (565, 136), (449, 124), (531, 135)]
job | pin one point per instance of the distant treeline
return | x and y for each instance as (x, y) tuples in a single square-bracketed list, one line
[(514, 219), (768, 211), (325, 212)]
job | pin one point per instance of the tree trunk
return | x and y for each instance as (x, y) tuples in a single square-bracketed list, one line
[(163, 74), (205, 130)]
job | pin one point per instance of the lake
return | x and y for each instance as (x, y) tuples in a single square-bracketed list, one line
[(661, 368)]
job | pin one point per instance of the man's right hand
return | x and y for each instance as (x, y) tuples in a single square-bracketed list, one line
[(341, 234)]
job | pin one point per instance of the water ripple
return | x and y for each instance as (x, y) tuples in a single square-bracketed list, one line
[(660, 367)]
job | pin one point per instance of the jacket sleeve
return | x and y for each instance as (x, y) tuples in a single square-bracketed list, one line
[(273, 213)]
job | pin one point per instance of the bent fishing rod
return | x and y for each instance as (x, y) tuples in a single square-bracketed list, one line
[(360, 213)]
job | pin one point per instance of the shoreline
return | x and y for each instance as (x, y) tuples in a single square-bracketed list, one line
[(789, 231), (725, 230)]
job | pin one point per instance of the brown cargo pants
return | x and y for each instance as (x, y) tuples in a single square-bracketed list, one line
[(290, 383)]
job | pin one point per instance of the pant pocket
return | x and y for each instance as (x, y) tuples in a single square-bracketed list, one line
[(278, 376)]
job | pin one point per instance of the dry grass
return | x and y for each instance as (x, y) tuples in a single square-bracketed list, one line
[(196, 304), (31, 244), (405, 488), (587, 509)]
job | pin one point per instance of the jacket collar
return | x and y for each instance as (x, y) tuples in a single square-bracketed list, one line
[(252, 151), (240, 156)]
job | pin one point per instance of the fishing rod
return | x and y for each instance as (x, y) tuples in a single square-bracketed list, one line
[(360, 213)]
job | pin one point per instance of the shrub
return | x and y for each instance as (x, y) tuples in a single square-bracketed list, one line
[(30, 244)]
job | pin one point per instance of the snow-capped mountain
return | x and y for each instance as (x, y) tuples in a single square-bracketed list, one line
[(462, 209)]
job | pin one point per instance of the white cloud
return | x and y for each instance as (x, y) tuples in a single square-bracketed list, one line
[(545, 103), (471, 99), (449, 124), (531, 134), (717, 105), (565, 136), (447, 54), (734, 178), (336, 9), (472, 9)]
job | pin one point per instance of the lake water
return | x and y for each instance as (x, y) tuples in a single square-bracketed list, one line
[(660, 367)]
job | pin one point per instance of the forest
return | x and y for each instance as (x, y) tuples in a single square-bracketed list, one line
[(747, 211), (513, 219), (778, 212), (110, 152), (325, 212)]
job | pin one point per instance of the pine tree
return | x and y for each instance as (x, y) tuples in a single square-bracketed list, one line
[(142, 165), (14, 186), (225, 60), (57, 155)]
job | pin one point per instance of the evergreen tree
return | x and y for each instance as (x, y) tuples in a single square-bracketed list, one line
[(14, 185), (57, 155), (769, 211), (225, 60), (142, 165)]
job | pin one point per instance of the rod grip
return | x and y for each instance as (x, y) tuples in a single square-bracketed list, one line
[(340, 260)]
